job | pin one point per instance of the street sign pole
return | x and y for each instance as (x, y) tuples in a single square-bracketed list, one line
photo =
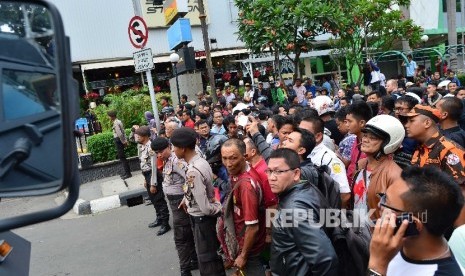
[(154, 102), (138, 12)]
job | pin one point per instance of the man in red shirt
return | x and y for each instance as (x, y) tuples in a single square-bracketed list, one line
[(255, 159), (249, 213), (187, 120)]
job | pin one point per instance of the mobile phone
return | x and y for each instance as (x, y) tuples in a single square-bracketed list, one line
[(412, 226)]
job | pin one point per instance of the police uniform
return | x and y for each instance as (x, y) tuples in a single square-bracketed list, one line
[(157, 199), (322, 155), (174, 177), (202, 207)]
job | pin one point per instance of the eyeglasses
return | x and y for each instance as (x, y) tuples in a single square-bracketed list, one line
[(382, 202), (277, 172)]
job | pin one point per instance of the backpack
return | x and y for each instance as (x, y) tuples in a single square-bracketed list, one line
[(351, 244), (320, 177), (225, 229)]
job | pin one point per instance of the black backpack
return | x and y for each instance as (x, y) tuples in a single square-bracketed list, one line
[(351, 244)]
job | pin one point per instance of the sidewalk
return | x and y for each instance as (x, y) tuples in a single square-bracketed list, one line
[(110, 193)]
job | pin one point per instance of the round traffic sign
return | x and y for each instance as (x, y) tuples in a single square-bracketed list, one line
[(138, 32)]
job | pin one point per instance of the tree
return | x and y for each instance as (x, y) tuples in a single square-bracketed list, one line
[(285, 26), (367, 24), (13, 16)]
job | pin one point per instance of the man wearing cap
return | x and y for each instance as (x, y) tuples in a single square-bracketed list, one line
[(155, 191), (120, 141), (199, 201), (174, 177), (434, 148)]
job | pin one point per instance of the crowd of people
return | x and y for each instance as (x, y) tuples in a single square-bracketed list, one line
[(396, 151)]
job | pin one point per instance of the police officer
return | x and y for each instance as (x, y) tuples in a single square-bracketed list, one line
[(174, 177), (155, 191), (199, 201)]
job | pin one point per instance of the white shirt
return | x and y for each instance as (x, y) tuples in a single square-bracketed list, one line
[(229, 97), (249, 94), (322, 155), (401, 266)]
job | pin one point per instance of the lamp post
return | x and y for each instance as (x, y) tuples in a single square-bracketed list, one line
[(424, 38), (174, 58)]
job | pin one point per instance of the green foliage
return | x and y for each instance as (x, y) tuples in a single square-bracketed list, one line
[(130, 106), (103, 148), (374, 23), (285, 26)]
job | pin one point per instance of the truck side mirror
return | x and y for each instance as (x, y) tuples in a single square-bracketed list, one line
[(38, 104)]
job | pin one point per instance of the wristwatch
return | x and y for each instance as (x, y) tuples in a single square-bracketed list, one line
[(372, 272)]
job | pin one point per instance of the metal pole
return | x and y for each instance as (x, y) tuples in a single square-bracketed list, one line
[(138, 12), (153, 99), (206, 42), (177, 82)]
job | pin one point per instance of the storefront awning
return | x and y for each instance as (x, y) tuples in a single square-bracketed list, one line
[(119, 63), (318, 53)]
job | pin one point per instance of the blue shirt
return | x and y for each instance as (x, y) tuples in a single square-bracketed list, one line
[(411, 66), (311, 88), (328, 87)]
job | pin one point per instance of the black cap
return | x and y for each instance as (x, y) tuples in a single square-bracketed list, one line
[(159, 143), (184, 138), (143, 131)]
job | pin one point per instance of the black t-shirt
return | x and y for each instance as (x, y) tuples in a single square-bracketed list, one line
[(331, 125), (455, 134)]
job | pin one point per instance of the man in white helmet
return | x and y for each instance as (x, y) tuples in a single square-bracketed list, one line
[(381, 136)]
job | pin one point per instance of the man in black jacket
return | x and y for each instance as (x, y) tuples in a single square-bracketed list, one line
[(299, 243)]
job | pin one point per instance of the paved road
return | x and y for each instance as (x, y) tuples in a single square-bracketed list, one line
[(117, 242)]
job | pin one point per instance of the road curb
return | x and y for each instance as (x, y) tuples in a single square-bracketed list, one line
[(129, 198)]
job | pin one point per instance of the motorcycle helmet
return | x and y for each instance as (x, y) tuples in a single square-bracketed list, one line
[(390, 129)]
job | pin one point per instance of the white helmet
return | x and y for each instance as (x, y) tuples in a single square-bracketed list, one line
[(390, 129), (323, 104)]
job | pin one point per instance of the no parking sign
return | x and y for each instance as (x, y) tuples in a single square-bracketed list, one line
[(138, 32)]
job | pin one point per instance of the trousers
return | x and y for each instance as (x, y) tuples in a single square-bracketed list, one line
[(206, 246), (183, 236), (122, 156), (157, 199)]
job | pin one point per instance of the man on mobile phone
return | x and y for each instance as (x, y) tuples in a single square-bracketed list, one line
[(434, 201)]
